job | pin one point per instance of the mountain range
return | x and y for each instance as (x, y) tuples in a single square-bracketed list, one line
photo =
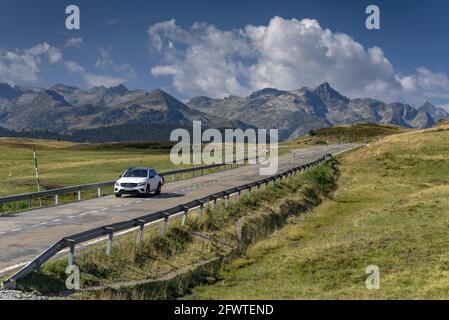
[(67, 109), (297, 112)]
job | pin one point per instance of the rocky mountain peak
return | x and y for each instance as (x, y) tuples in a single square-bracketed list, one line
[(120, 90), (7, 92), (266, 92), (329, 94)]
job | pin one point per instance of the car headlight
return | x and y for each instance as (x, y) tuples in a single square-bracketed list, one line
[(117, 184)]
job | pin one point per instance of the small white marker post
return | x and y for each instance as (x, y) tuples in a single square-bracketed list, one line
[(36, 166)]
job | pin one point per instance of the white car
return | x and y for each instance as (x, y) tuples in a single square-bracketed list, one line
[(139, 181)]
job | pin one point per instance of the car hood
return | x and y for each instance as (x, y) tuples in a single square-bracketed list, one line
[(131, 180)]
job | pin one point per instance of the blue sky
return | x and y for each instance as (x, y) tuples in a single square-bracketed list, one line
[(152, 44)]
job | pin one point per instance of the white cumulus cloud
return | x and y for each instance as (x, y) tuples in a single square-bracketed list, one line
[(285, 54), (25, 65), (73, 42), (93, 80)]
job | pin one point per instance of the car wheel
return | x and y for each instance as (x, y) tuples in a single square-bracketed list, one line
[(159, 189), (118, 195), (148, 191)]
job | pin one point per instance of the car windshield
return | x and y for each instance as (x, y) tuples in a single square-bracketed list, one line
[(136, 173)]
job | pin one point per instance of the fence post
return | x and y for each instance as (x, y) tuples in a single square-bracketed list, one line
[(110, 232)]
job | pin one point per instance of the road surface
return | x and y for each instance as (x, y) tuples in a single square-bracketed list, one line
[(25, 235)]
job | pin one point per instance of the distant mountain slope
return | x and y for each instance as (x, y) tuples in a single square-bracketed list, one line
[(65, 109), (296, 112)]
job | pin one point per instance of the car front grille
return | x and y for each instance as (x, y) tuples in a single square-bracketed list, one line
[(129, 185)]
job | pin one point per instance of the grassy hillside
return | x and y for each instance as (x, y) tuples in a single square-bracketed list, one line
[(391, 210), (357, 133), (66, 163)]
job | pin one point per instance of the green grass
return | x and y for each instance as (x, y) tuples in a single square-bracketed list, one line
[(391, 210), (63, 164), (357, 133)]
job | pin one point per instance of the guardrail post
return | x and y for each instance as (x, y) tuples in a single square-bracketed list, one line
[(184, 217), (228, 196), (11, 285), (110, 232), (79, 195), (56, 199), (30, 203), (173, 178), (164, 225), (71, 256), (201, 208), (141, 225), (99, 192)]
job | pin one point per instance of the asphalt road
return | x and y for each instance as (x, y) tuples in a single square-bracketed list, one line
[(25, 235)]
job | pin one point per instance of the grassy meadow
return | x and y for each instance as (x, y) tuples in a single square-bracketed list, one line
[(391, 210), (357, 133), (65, 163)]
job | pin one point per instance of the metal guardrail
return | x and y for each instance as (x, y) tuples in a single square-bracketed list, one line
[(162, 216), (60, 191)]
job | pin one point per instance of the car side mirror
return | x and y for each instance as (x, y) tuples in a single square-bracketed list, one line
[(151, 177)]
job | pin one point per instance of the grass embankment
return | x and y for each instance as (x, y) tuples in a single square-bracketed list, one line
[(357, 133), (391, 210), (221, 233)]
